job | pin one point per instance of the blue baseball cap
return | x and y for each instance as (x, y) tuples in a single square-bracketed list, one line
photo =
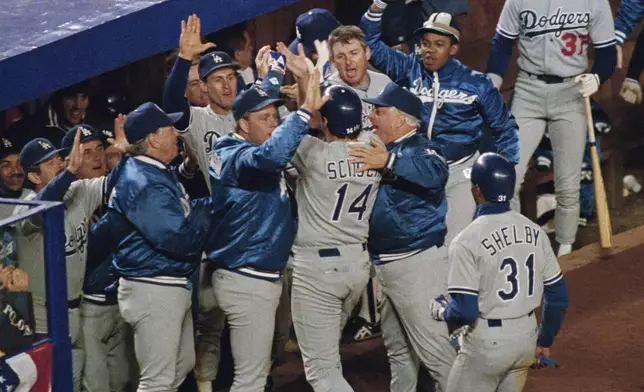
[(147, 119), (88, 133), (252, 100), (36, 152), (315, 24), (212, 61), (395, 96), (11, 144)]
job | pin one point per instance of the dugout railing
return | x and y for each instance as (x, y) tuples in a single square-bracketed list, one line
[(53, 215)]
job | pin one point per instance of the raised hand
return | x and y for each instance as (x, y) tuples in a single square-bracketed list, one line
[(261, 60), (77, 154), (190, 45), (120, 140), (299, 64), (313, 100)]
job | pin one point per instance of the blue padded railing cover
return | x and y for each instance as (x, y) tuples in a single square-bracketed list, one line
[(46, 45)]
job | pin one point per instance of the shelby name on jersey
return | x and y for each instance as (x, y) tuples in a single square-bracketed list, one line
[(426, 94), (343, 168), (534, 24), (507, 236)]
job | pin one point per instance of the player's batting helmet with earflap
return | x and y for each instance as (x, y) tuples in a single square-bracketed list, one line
[(343, 111), (495, 177)]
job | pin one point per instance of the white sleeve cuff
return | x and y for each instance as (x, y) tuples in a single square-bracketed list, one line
[(390, 161)]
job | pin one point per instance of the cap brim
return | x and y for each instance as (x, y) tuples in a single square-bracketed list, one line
[(48, 156), (376, 102), (307, 49), (175, 117), (235, 67), (264, 103)]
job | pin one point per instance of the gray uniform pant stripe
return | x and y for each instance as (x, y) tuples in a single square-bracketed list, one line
[(559, 107), (495, 358), (410, 334), (325, 291), (161, 319), (250, 306)]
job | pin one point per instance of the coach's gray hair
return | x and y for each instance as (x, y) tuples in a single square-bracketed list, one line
[(138, 148), (409, 119)]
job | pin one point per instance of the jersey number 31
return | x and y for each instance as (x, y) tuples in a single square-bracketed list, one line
[(358, 206), (510, 267)]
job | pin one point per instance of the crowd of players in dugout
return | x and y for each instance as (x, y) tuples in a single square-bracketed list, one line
[(80, 159)]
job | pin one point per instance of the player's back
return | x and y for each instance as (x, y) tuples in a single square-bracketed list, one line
[(334, 199), (513, 258)]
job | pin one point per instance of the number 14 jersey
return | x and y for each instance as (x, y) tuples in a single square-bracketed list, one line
[(505, 259), (334, 199)]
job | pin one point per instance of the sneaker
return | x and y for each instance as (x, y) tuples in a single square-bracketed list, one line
[(360, 330)]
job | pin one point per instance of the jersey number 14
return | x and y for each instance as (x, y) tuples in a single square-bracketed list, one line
[(510, 267), (358, 206)]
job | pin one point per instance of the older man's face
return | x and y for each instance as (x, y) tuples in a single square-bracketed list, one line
[(384, 120)]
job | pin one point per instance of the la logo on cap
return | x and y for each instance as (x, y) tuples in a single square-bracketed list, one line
[(6, 143), (85, 131), (262, 92), (297, 33), (216, 58), (44, 145)]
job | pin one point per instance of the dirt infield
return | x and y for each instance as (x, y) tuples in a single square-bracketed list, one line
[(600, 346)]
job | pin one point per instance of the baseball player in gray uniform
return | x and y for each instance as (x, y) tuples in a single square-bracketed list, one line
[(350, 55), (53, 182), (331, 264), (500, 267), (553, 80)]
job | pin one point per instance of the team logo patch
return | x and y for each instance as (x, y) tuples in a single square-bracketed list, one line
[(217, 59), (6, 143), (555, 23), (45, 145), (86, 132)]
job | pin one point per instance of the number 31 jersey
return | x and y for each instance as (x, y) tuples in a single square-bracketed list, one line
[(554, 34), (334, 199), (505, 259)]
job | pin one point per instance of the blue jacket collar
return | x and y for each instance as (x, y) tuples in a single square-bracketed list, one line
[(400, 139), (492, 208), (449, 68), (151, 161)]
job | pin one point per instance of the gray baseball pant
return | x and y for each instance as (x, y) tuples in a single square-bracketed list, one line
[(107, 366), (495, 359), (161, 318), (460, 202), (75, 333), (325, 291), (559, 107), (250, 306), (410, 334)]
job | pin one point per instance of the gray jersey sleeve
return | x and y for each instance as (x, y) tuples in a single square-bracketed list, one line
[(32, 224), (509, 24), (306, 152), (551, 270), (464, 272), (92, 191), (602, 27)]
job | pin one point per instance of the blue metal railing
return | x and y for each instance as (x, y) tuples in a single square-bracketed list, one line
[(53, 215)]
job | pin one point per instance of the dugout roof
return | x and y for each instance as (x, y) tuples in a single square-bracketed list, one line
[(46, 45)]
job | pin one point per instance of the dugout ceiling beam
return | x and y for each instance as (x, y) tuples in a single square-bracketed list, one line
[(46, 45)]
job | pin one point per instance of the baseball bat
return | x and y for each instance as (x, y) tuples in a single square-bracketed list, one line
[(601, 204)]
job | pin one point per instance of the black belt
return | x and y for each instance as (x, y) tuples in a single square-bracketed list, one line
[(73, 303), (549, 79), (499, 322), (334, 252)]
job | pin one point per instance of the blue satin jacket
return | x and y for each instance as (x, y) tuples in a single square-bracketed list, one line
[(409, 212), (255, 222), (468, 102)]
